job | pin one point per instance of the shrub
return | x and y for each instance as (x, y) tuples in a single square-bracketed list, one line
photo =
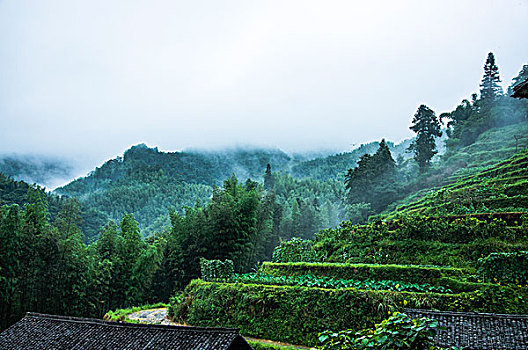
[(399, 331), (297, 314), (505, 267), (453, 241), (213, 270), (294, 250)]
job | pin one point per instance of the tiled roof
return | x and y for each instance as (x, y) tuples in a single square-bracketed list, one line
[(521, 90), (40, 331), (478, 330)]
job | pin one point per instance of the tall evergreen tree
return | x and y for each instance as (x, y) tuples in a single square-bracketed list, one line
[(427, 127), (490, 88), (268, 178), (371, 181)]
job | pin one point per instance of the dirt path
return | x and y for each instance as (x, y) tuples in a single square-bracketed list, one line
[(159, 316), (152, 316)]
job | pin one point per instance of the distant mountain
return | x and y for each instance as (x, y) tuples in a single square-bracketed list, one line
[(336, 166), (147, 182), (43, 170), (14, 192)]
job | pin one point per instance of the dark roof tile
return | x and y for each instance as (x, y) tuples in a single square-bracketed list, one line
[(40, 331), (480, 331)]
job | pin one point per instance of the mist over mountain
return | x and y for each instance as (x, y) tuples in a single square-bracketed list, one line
[(148, 182), (44, 170)]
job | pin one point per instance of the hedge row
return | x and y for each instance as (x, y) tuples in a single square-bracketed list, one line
[(403, 273), (505, 267), (511, 219), (297, 314), (413, 252)]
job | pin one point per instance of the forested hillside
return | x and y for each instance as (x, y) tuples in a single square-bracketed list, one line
[(36, 169), (148, 182)]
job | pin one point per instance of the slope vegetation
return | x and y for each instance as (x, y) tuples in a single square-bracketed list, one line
[(470, 168), (500, 188)]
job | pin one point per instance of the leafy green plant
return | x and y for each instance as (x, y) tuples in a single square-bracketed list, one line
[(457, 241), (406, 273), (399, 331), (326, 282)]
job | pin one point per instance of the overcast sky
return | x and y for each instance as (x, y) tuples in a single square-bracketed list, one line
[(87, 79)]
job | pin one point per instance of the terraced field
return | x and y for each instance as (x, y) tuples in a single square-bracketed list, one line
[(500, 188)]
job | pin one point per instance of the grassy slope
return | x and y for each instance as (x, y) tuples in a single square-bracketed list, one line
[(476, 179), (503, 187)]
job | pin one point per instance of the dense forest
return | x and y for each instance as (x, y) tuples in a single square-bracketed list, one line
[(149, 183), (133, 231)]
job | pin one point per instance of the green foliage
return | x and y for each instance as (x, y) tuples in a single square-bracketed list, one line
[(149, 183), (297, 314), (326, 282), (371, 181), (236, 225), (256, 345), (501, 187), (490, 86), (426, 126), (294, 250), (335, 166), (461, 230), (399, 331), (505, 267), (492, 109), (46, 267), (362, 272), (458, 241), (214, 270)]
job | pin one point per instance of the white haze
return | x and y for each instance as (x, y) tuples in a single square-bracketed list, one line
[(87, 79)]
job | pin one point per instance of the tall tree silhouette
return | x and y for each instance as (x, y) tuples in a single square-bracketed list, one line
[(427, 127), (490, 88)]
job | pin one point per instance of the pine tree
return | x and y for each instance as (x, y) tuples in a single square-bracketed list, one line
[(426, 126), (490, 88), (371, 181), (268, 178)]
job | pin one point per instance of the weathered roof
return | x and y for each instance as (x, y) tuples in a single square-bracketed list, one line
[(521, 90), (480, 331), (40, 331)]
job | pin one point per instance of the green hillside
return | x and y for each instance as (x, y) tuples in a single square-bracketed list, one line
[(490, 148), (479, 185), (148, 182), (336, 166)]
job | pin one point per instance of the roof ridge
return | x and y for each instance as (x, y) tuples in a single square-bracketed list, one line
[(475, 314), (74, 319)]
